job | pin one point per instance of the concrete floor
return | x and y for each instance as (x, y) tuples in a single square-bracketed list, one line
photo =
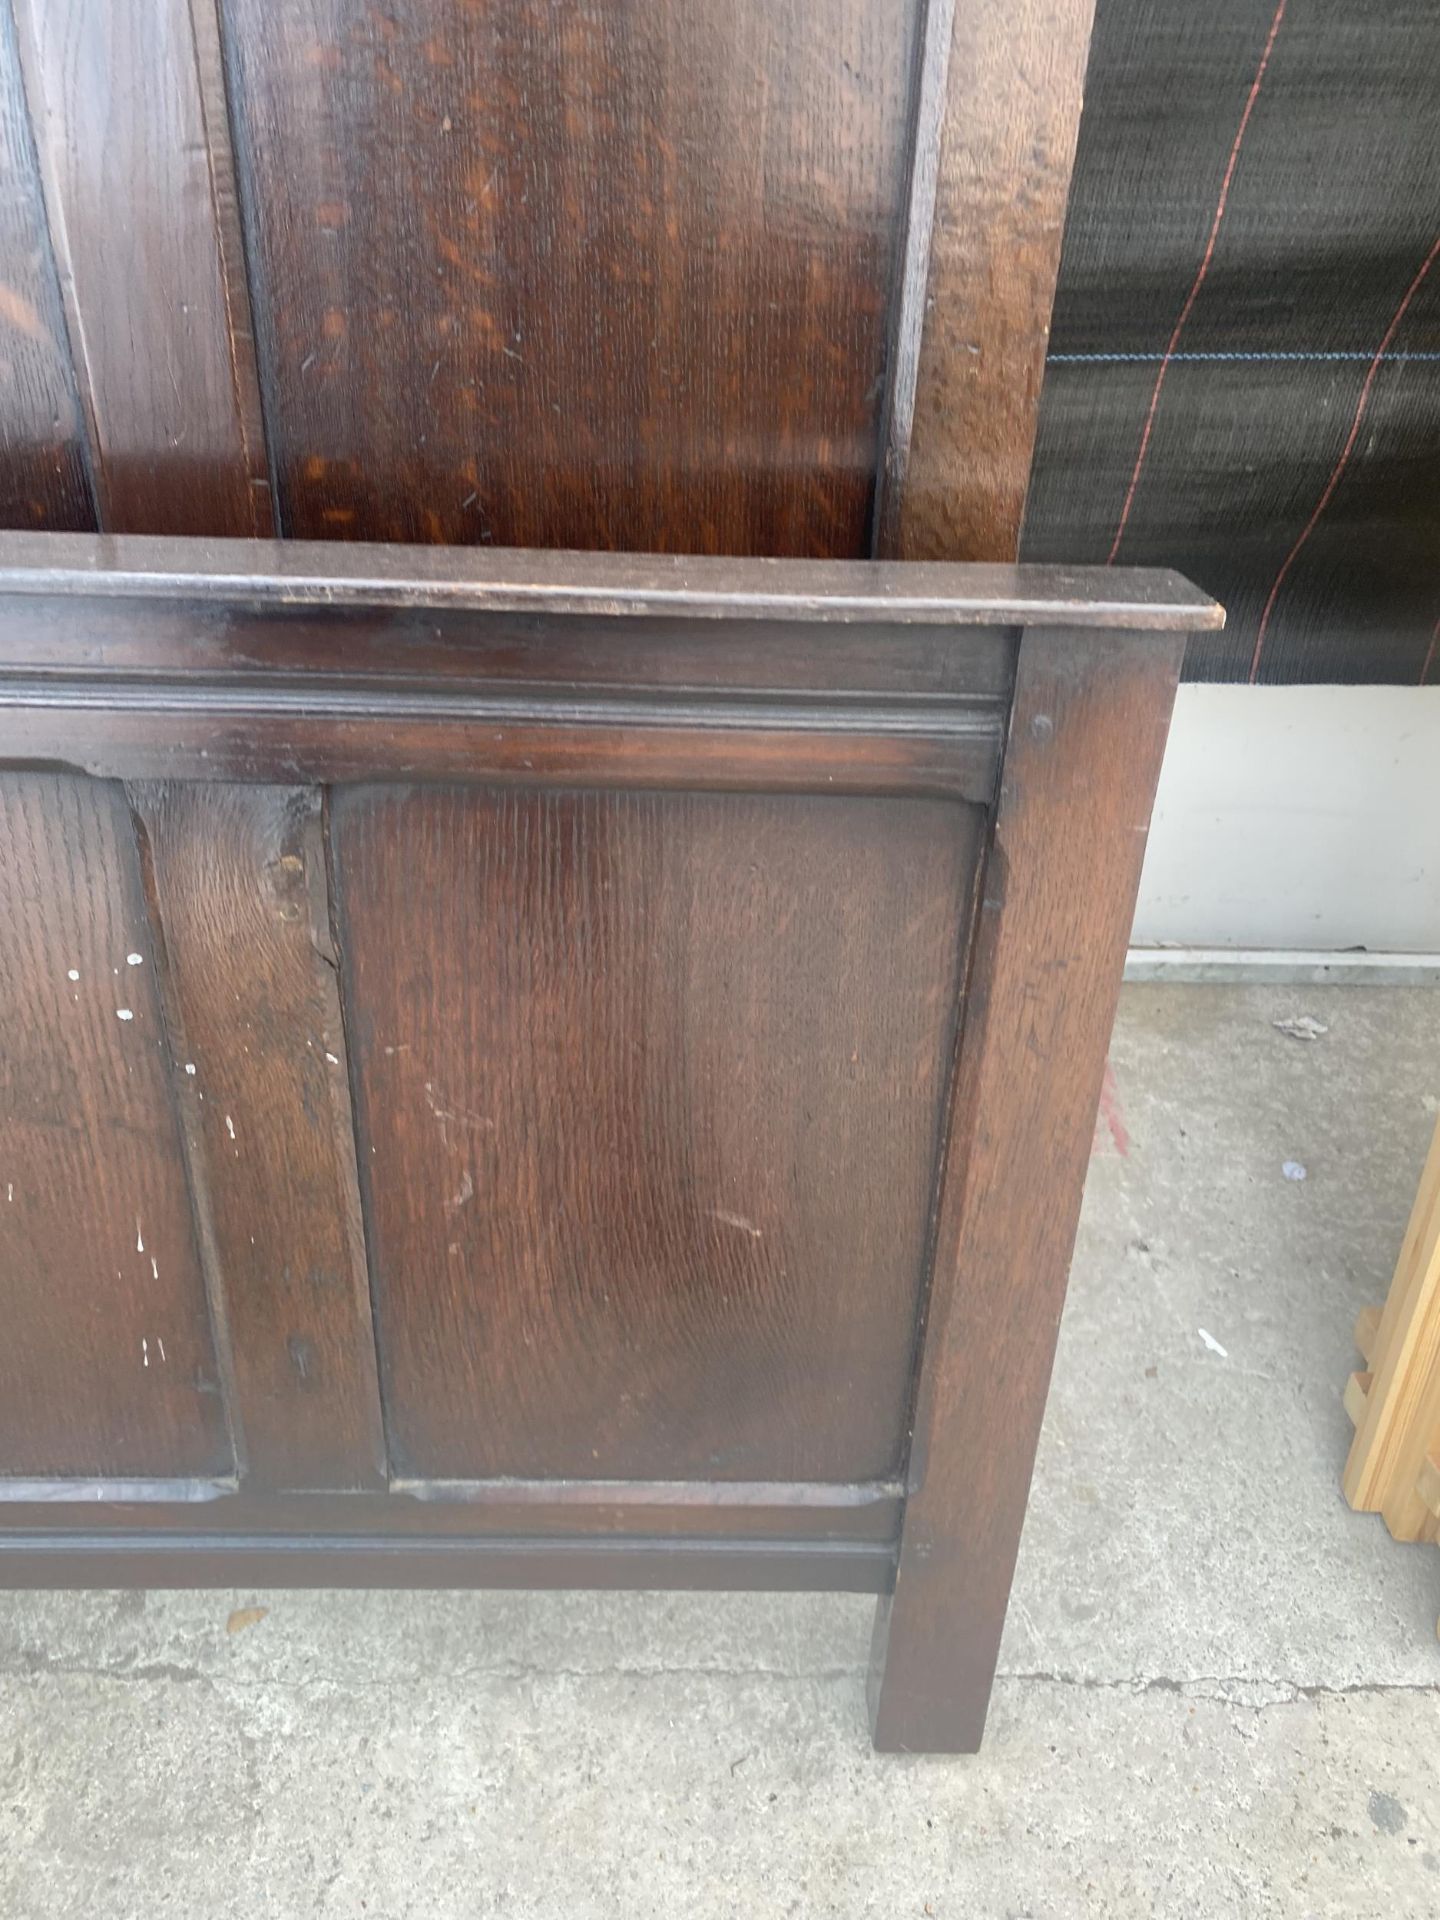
[(1220, 1690)]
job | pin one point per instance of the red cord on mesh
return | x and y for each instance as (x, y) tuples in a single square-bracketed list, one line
[(1343, 462), (1430, 656), (1199, 281)]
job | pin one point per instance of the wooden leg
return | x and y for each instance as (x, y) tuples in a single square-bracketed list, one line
[(1087, 735)]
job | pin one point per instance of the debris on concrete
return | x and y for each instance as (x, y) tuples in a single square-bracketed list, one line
[(1300, 1026)]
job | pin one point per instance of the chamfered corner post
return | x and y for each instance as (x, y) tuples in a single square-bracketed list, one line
[(1089, 718)]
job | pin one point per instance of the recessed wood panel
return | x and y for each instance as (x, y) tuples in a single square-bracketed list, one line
[(106, 1360), (605, 276), (649, 1090)]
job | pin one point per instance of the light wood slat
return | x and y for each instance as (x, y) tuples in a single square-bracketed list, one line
[(1367, 1332), (1402, 1409)]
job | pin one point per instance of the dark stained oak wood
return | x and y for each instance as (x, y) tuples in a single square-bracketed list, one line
[(648, 1090), (422, 663), (1087, 734), (435, 650), (595, 1166), (239, 739), (106, 1360), (302, 664), (998, 112), (234, 271), (826, 1511), (308, 573), (242, 896), (181, 1560), (44, 477), (614, 276), (128, 110)]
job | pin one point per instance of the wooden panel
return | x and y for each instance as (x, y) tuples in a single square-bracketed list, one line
[(649, 1092), (1087, 735), (998, 112), (239, 877), (43, 476), (613, 276), (106, 1364), (129, 114)]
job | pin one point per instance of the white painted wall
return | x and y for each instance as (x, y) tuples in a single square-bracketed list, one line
[(1297, 817)]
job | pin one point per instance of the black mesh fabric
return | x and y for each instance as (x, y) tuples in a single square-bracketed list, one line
[(1290, 463)]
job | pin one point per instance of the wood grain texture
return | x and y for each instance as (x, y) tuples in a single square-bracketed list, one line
[(106, 1359), (131, 131), (648, 1101), (240, 882), (992, 174), (44, 480), (1400, 1413), (617, 276), (1087, 735)]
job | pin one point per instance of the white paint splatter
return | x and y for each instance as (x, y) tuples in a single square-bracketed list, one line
[(73, 974), (1293, 1170), (1212, 1343), (459, 1116), (230, 1126), (161, 1345), (737, 1220), (190, 1068), (145, 1351), (334, 1059), (134, 959), (139, 1236), (10, 1190), (154, 1268), (123, 1013)]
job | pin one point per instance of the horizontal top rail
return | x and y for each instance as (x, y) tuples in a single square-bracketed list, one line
[(515, 580)]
